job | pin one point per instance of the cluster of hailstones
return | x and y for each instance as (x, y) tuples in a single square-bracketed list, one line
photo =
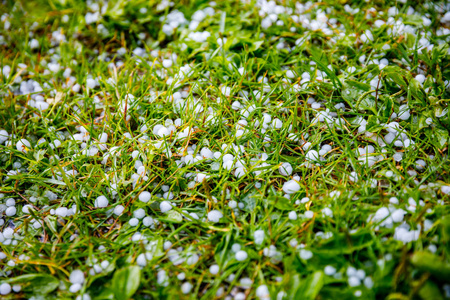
[(270, 12)]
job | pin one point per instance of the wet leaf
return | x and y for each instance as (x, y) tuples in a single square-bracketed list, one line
[(39, 284), (430, 291), (280, 203), (126, 282), (429, 262), (311, 286)]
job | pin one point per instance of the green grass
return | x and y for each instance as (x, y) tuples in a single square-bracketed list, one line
[(265, 69)]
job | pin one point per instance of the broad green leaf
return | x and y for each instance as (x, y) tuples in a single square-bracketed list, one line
[(358, 85), (417, 92), (38, 284), (311, 286), (351, 94), (413, 20), (439, 137), (174, 216), (315, 138), (410, 40), (155, 247), (422, 121), (367, 103), (250, 202), (429, 262), (397, 70), (126, 281), (373, 124), (430, 290), (294, 286), (116, 9), (39, 154), (51, 222), (255, 45), (397, 78), (388, 107), (280, 203), (105, 294)]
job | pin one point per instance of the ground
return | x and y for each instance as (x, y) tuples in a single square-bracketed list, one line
[(224, 150)]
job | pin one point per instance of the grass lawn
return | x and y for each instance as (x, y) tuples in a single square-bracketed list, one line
[(231, 150)]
